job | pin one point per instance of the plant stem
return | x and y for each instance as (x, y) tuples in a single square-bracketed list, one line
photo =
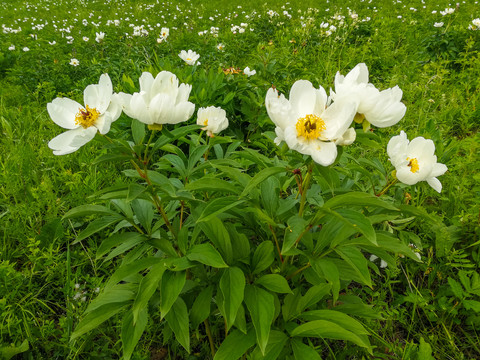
[(305, 187), (145, 157), (388, 186), (210, 339), (298, 271), (156, 200), (276, 243)]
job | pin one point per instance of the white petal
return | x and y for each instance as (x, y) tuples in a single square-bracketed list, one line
[(278, 108), (115, 108), (183, 93), (139, 109), (183, 112), (323, 153), (103, 123), (71, 140), (347, 138), (337, 117), (166, 83), (438, 169), (63, 111), (420, 147), (303, 97), (435, 184), (397, 149), (99, 95), (162, 109), (146, 81)]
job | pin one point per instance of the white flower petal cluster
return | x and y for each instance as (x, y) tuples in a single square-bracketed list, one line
[(213, 119), (161, 100), (307, 124), (190, 57), (249, 72), (415, 160), (100, 110), (379, 108)]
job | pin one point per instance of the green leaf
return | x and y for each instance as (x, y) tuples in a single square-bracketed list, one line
[(131, 238), (146, 289), (276, 343), (275, 283), (217, 206), (87, 210), (338, 318), (360, 223), (216, 232), (206, 254), (171, 286), (235, 345), (115, 294), (424, 351), (232, 284), (177, 319), (358, 198), (7, 353), (472, 305), (210, 183), (134, 191), (357, 262), (94, 318), (228, 98), (313, 295), (328, 330), (170, 136), (455, 287), (201, 307), (263, 257), (131, 268), (132, 331), (327, 269), (138, 131), (296, 226), (260, 304), (96, 226), (303, 352), (143, 210), (261, 176)]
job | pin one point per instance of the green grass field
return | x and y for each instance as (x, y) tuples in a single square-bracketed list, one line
[(409, 310)]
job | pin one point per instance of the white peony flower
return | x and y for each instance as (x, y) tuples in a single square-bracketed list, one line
[(190, 57), (307, 124), (415, 160), (249, 72), (11, 47), (213, 119), (83, 122), (438, 24), (99, 36), (380, 108), (74, 62), (160, 101)]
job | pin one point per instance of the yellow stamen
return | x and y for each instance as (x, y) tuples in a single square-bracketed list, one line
[(413, 163), (189, 59), (86, 117), (359, 118), (310, 127), (205, 123)]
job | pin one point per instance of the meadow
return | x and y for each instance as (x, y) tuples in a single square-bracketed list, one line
[(161, 242)]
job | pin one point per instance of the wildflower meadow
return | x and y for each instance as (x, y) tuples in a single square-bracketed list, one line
[(239, 180)]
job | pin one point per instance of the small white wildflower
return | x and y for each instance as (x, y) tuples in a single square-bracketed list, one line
[(74, 62)]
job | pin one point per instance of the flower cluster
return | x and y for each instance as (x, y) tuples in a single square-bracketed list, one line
[(161, 100), (313, 123)]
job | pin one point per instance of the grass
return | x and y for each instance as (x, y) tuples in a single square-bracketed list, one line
[(426, 307)]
